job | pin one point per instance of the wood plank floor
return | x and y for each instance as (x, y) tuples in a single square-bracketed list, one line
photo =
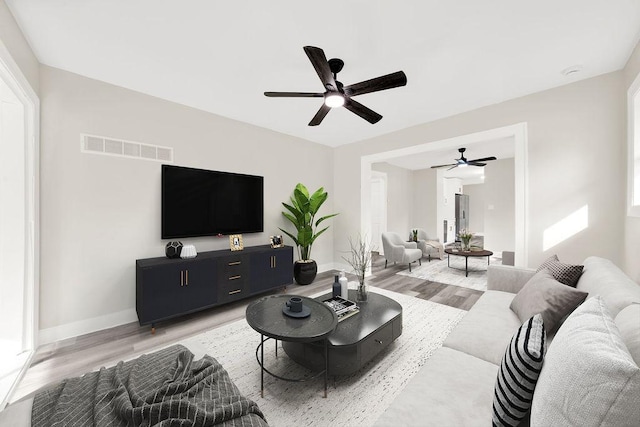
[(75, 356)]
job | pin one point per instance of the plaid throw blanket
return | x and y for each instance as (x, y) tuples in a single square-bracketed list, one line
[(165, 388)]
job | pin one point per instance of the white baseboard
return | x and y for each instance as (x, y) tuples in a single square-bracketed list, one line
[(74, 329)]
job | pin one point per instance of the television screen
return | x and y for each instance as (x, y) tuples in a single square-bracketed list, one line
[(198, 202)]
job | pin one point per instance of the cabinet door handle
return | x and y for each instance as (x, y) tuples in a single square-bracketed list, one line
[(181, 277), (186, 277), (235, 277), (237, 291), (235, 263)]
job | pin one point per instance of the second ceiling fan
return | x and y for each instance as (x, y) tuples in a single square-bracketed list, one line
[(338, 95), (462, 161)]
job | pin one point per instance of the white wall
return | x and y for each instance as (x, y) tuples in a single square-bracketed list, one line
[(499, 215), (632, 224), (400, 195), (13, 40), (100, 213), (477, 206), (576, 157), (425, 208)]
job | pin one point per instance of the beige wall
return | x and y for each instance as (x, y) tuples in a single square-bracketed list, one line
[(12, 38), (499, 206), (399, 198), (100, 213), (477, 207), (425, 203), (632, 224), (576, 157)]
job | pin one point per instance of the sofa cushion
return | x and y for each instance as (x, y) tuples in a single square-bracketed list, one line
[(567, 274), (545, 295), (602, 277), (487, 328), (628, 322), (588, 377), (451, 389), (519, 373)]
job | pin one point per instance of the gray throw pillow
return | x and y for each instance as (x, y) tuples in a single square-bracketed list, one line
[(519, 373), (588, 378), (545, 295), (569, 274)]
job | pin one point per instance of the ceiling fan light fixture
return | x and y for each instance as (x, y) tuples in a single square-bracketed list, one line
[(334, 100)]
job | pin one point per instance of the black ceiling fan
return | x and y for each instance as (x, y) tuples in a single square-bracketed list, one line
[(462, 161), (338, 95)]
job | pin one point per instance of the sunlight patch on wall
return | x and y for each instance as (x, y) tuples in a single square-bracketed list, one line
[(565, 228)]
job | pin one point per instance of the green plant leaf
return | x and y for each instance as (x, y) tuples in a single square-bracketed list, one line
[(299, 216), (300, 187), (295, 240), (318, 234), (317, 199), (325, 217)]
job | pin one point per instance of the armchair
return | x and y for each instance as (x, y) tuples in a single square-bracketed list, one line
[(397, 250), (429, 246)]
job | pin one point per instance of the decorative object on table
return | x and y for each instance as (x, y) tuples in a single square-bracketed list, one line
[(414, 235), (342, 306), (465, 237), (336, 289), (295, 308), (173, 249), (276, 241), (188, 251), (235, 242), (360, 261), (301, 212), (344, 285)]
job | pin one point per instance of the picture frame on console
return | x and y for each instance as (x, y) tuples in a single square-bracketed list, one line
[(276, 241), (235, 242)]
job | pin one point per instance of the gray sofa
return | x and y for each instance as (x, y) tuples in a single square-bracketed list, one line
[(456, 385)]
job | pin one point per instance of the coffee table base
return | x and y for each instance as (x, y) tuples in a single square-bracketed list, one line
[(260, 360)]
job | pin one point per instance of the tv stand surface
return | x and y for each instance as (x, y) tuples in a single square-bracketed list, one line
[(168, 288)]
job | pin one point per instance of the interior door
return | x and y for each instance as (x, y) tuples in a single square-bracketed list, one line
[(378, 208)]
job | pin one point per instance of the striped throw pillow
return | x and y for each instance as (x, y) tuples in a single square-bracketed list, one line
[(567, 274), (519, 373)]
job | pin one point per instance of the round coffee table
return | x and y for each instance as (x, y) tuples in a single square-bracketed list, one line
[(266, 317), (466, 255)]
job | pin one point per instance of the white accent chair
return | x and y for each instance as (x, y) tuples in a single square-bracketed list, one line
[(397, 250), (429, 246)]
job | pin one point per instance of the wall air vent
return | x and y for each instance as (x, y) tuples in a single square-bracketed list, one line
[(118, 147)]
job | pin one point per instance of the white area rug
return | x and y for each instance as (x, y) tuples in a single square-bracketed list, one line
[(437, 271), (355, 400)]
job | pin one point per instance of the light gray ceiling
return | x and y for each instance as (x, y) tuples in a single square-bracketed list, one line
[(221, 56)]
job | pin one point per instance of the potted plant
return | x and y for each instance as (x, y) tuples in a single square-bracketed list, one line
[(360, 261), (465, 236), (302, 211)]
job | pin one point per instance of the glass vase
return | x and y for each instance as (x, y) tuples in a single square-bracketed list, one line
[(466, 246), (361, 292)]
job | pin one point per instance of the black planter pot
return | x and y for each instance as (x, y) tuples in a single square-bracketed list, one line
[(305, 271)]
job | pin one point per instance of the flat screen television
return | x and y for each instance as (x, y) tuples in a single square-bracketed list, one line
[(198, 202)]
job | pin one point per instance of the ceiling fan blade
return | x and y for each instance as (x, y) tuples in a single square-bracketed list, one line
[(379, 83), (320, 63), (294, 94), (445, 166), (476, 164), (320, 115), (364, 112), (484, 159), (453, 167)]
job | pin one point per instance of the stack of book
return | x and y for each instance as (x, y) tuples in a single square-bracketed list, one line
[(343, 307)]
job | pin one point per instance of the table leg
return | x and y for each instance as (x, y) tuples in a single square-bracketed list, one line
[(262, 365), (448, 258), (466, 266), (276, 348), (326, 367), (488, 259)]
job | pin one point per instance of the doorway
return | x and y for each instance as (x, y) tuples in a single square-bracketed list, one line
[(18, 223)]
